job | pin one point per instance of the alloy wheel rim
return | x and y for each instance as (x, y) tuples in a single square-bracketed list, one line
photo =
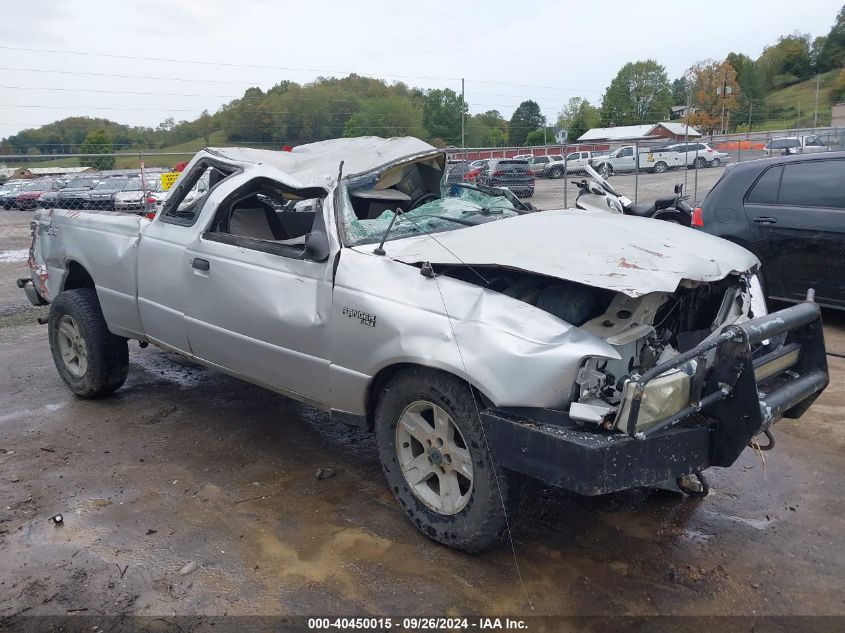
[(72, 347), (434, 457)]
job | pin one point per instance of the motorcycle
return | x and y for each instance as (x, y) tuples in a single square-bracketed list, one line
[(599, 195)]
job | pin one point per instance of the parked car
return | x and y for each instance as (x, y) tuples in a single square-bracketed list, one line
[(136, 194), (626, 158), (9, 192), (512, 173), (482, 341), (74, 194), (30, 193), (102, 195), (457, 171), (786, 145), (575, 163), (541, 166), (790, 212), (699, 155)]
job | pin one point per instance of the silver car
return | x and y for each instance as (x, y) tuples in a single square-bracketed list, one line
[(481, 340)]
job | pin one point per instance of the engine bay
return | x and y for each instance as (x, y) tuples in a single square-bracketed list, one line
[(646, 331)]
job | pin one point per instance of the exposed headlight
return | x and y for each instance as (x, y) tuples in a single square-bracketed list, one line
[(663, 397)]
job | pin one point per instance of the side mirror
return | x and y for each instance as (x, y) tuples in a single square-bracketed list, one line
[(679, 188)]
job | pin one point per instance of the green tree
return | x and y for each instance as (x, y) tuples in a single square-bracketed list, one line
[(751, 88), (488, 129), (394, 115), (640, 93), (442, 115), (832, 52), (526, 118), (578, 116), (680, 91), (787, 62), (97, 142), (587, 118), (538, 137)]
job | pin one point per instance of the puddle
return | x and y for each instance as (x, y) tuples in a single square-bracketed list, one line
[(20, 255)]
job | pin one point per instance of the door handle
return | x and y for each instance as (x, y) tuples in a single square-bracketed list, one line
[(765, 220), (200, 264)]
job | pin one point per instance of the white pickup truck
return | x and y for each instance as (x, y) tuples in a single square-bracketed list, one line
[(785, 145), (483, 341), (623, 159)]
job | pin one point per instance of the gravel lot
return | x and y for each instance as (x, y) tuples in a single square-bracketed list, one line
[(184, 465)]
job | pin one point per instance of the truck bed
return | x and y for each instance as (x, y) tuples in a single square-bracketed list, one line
[(67, 241)]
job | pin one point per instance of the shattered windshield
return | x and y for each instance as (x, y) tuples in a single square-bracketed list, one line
[(367, 219), (417, 193)]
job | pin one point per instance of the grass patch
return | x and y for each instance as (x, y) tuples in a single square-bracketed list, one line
[(800, 99)]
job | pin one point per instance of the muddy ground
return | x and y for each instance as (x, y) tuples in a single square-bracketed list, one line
[(187, 467)]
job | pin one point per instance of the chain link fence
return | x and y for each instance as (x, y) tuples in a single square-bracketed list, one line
[(695, 162)]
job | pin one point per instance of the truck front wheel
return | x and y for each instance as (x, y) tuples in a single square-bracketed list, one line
[(434, 455), (92, 361)]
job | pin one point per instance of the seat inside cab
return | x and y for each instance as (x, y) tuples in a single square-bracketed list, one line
[(270, 212), (405, 186)]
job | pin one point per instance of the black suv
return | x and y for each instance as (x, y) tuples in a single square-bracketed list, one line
[(513, 173), (790, 212)]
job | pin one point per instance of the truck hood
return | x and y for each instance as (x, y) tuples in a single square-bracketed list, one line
[(626, 254)]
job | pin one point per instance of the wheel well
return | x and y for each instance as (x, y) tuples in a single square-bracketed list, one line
[(386, 374), (77, 277)]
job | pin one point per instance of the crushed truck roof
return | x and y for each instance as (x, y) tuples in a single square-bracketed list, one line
[(317, 161)]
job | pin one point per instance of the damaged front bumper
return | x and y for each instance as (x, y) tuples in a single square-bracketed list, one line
[(735, 399)]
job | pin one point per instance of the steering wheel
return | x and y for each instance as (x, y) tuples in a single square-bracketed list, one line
[(426, 197)]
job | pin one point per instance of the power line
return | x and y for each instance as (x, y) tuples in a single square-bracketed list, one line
[(284, 68), (217, 64)]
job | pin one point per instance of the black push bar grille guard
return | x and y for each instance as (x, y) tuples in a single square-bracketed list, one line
[(730, 390)]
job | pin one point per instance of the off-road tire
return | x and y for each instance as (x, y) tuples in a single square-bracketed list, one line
[(107, 354), (483, 521)]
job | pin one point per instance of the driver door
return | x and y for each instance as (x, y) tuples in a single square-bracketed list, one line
[(258, 299)]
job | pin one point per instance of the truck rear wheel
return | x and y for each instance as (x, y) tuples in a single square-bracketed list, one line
[(435, 458), (92, 361), (660, 167)]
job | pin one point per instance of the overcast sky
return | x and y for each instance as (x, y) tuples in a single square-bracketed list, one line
[(508, 51)]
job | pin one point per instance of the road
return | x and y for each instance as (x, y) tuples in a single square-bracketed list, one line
[(187, 469)]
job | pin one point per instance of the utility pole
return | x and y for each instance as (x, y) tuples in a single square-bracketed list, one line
[(798, 118), (463, 125), (816, 113), (686, 130), (723, 90), (750, 108)]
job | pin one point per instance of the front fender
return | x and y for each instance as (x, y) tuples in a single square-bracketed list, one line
[(385, 312)]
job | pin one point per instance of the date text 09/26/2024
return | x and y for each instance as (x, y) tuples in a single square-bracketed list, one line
[(416, 623)]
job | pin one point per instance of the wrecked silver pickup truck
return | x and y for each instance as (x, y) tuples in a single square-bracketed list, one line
[(482, 341)]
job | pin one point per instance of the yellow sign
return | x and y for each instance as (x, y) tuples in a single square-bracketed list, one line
[(168, 179)]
